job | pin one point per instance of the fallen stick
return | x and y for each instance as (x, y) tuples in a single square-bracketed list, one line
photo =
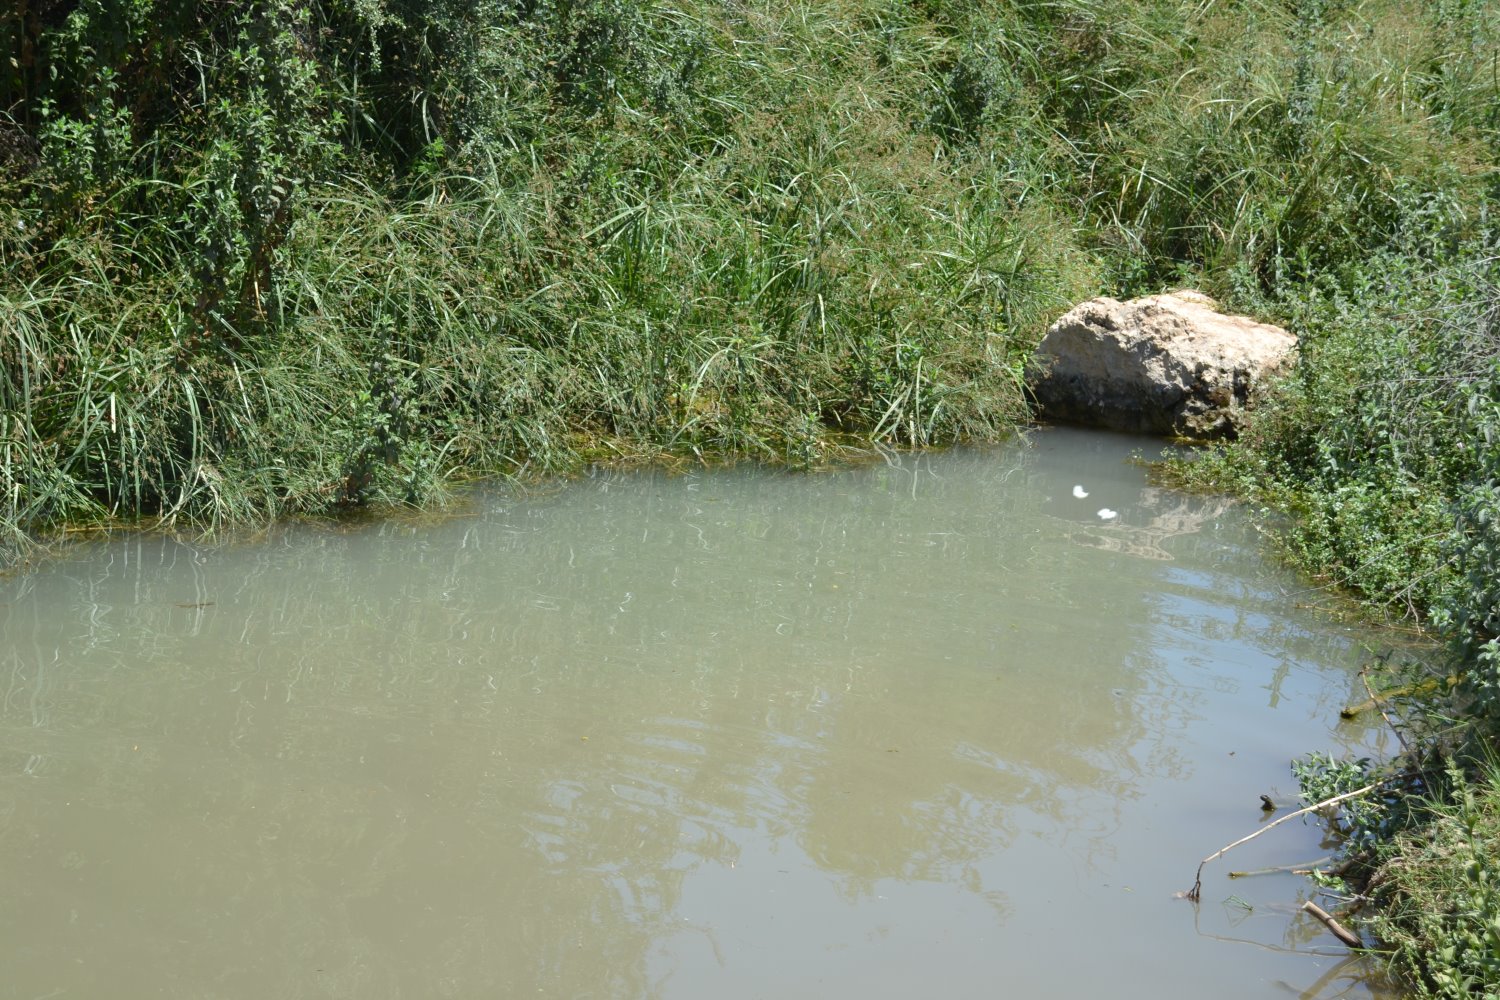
[(1379, 702), (1427, 686), (1192, 894), (1341, 932), (1301, 869)]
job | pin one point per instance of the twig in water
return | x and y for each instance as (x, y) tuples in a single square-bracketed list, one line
[(1419, 688), (1341, 932), (1193, 893), (1379, 703), (1301, 869)]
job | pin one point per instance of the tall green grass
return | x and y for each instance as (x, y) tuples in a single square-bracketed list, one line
[(717, 232), (322, 255), (1441, 916)]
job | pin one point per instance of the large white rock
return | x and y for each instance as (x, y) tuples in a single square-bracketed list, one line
[(1163, 364)]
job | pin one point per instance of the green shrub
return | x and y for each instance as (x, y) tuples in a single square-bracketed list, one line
[(1441, 890)]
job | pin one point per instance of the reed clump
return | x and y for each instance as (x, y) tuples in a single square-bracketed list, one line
[(314, 256), (304, 256)]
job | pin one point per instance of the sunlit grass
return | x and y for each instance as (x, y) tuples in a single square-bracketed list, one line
[(758, 231)]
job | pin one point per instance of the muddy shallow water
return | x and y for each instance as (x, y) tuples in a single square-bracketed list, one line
[(930, 726)]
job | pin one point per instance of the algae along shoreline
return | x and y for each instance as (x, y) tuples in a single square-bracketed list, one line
[(302, 256)]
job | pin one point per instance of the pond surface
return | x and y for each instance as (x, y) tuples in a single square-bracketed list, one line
[(930, 727)]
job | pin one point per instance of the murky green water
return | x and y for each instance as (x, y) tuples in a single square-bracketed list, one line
[(926, 728)]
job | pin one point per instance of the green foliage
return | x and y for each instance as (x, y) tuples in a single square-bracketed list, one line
[(1382, 446), (1441, 887), (284, 255), (292, 256), (1359, 821), (1344, 181)]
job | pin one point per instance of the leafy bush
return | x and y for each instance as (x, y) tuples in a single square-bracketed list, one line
[(1441, 888)]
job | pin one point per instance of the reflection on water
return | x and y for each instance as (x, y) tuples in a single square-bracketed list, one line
[(929, 725)]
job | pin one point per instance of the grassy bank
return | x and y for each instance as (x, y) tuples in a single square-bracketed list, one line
[(301, 255), (316, 256), (1384, 449), (1381, 454)]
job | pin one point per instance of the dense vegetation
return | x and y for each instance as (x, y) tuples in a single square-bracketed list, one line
[(292, 256), (296, 255)]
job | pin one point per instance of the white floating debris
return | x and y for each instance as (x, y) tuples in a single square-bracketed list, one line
[(1080, 492), (1105, 514)]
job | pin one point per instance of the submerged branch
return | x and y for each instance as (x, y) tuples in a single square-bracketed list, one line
[(1193, 893), (1301, 869), (1341, 932), (1418, 689)]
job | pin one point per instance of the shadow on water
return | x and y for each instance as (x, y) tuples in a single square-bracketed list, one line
[(934, 724)]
